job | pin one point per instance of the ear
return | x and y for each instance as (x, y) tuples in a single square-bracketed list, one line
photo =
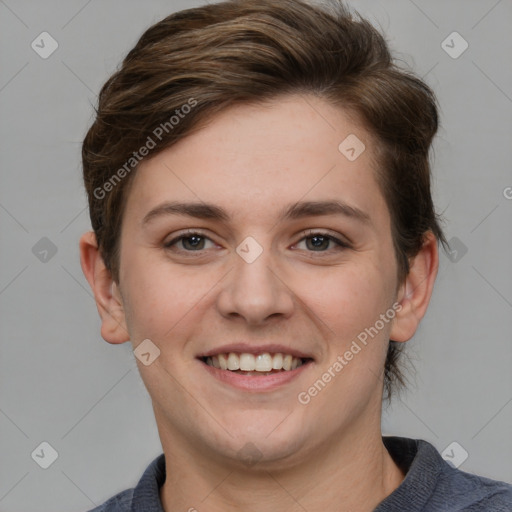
[(106, 291), (414, 294)]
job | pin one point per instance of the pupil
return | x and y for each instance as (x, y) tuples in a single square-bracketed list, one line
[(195, 241), (318, 240)]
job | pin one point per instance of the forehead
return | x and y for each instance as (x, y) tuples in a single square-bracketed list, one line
[(259, 157)]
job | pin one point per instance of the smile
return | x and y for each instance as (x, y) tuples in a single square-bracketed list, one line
[(256, 368), (254, 364)]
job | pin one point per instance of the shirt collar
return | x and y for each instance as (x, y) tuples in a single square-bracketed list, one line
[(146, 495)]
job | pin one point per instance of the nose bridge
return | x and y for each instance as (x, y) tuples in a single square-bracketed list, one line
[(253, 289)]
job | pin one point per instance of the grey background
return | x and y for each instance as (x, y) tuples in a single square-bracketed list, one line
[(61, 383)]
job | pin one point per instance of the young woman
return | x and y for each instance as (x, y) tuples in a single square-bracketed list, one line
[(264, 235)]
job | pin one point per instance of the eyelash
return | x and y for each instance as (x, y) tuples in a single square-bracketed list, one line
[(309, 234)]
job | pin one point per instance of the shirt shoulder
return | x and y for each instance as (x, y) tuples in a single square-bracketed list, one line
[(460, 491), (121, 502), (144, 497), (433, 485)]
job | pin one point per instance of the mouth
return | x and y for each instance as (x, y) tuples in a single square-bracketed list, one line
[(255, 364), (255, 371)]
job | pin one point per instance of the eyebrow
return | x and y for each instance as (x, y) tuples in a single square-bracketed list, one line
[(294, 211)]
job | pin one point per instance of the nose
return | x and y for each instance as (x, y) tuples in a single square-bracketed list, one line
[(255, 291)]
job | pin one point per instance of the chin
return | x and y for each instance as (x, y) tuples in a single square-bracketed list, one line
[(262, 441)]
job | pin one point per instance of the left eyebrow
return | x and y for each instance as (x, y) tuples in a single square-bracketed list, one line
[(294, 211), (317, 208)]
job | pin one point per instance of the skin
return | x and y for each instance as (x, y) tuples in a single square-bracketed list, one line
[(253, 161)]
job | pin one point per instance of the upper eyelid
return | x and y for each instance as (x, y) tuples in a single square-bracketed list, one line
[(326, 233), (187, 234)]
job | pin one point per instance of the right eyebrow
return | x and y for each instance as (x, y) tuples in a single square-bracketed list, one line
[(199, 210)]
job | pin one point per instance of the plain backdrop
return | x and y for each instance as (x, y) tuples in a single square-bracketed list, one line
[(60, 383)]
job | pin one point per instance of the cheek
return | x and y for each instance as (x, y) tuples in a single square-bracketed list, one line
[(160, 298), (351, 303), (351, 299)]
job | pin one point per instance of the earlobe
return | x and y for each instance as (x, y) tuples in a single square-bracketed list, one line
[(415, 293), (106, 293)]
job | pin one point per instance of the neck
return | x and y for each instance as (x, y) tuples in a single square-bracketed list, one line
[(353, 472)]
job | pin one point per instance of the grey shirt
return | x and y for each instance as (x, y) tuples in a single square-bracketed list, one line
[(430, 485)]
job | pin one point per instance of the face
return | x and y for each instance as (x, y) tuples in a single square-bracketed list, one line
[(260, 264)]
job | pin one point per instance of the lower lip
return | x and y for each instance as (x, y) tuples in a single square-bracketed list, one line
[(258, 382)]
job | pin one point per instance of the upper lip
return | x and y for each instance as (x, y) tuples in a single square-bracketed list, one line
[(249, 348)]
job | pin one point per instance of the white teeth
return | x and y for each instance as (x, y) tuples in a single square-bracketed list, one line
[(223, 362), (247, 362), (263, 363), (233, 362), (277, 361)]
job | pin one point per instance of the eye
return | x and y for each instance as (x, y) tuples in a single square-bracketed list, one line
[(320, 241), (195, 241), (191, 241)]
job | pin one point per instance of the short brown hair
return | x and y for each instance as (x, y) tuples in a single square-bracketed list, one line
[(249, 51)]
